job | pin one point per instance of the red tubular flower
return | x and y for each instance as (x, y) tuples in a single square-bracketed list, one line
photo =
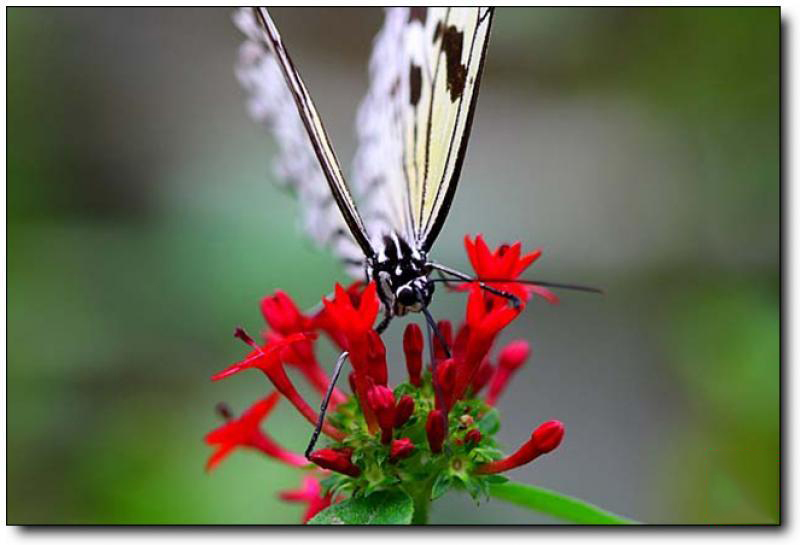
[(401, 448), (328, 323), (283, 316), (413, 347), (403, 410), (436, 429), (511, 359), (285, 319), (245, 432), (505, 263), (355, 321), (544, 439), (338, 460), (311, 493), (381, 401), (484, 324), (268, 359), (264, 358)]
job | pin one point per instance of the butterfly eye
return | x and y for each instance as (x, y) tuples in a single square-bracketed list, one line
[(406, 296)]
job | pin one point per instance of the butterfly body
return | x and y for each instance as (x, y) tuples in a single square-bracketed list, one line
[(401, 273)]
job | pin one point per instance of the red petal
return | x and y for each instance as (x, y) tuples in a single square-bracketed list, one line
[(484, 258), (476, 307), (369, 305), (218, 456), (471, 253), (525, 262)]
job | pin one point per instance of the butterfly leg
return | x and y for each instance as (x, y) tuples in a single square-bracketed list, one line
[(434, 332), (384, 323), (324, 407), (515, 301)]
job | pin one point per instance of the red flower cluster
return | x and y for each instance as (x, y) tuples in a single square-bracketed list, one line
[(456, 373)]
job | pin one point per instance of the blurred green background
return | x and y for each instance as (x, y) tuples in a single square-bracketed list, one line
[(638, 147)]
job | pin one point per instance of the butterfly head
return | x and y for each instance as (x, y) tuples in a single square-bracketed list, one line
[(401, 273)]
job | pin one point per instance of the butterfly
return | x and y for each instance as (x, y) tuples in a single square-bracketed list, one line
[(412, 127)]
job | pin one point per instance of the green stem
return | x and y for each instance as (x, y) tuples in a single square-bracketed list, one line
[(422, 504)]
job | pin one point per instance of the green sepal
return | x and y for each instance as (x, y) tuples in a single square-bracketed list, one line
[(442, 484)]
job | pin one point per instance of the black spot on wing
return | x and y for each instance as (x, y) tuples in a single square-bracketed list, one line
[(418, 14), (415, 81), (453, 46)]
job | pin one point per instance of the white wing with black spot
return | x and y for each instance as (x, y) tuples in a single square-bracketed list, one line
[(414, 124)]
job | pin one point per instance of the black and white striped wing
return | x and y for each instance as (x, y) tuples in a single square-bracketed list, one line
[(306, 161), (414, 123)]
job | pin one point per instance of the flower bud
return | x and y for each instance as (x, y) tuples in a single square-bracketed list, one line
[(436, 429), (403, 410), (376, 359), (336, 460), (381, 401), (482, 376), (413, 347), (512, 357), (446, 329), (543, 440), (401, 448), (473, 436), (351, 380), (446, 376), (460, 342), (548, 436)]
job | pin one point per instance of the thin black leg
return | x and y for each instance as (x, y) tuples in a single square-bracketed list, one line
[(433, 330), (324, 407), (515, 301), (387, 319)]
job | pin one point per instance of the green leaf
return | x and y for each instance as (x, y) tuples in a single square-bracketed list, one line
[(386, 507), (555, 504)]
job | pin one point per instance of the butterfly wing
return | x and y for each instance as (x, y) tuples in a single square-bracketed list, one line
[(413, 125), (307, 163)]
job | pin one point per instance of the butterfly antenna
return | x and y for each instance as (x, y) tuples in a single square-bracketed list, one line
[(544, 283), (323, 409), (515, 301)]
